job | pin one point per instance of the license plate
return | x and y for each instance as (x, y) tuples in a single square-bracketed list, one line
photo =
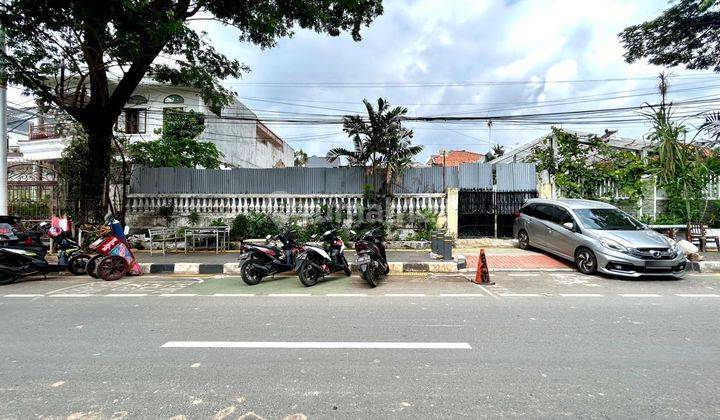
[(658, 264), (363, 260)]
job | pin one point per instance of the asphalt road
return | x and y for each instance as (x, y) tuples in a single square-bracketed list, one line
[(535, 345)]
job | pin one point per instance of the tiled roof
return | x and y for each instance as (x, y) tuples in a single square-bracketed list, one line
[(456, 157)]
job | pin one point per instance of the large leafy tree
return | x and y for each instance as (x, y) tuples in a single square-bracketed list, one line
[(379, 140), (86, 57), (687, 33), (178, 147)]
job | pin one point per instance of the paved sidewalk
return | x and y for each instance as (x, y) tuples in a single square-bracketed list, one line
[(527, 261)]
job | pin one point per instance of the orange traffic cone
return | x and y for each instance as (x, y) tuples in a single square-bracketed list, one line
[(482, 275)]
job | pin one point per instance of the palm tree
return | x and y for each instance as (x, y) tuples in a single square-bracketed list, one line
[(379, 141)]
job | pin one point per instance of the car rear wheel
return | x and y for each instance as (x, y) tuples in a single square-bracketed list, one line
[(523, 239), (585, 261)]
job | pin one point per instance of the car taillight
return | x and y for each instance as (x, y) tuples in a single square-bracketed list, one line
[(28, 241)]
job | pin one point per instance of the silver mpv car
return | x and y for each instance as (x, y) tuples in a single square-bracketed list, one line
[(597, 237)]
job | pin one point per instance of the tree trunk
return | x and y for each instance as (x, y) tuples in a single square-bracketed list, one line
[(92, 203)]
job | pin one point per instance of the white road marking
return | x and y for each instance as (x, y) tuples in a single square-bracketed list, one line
[(234, 294), (523, 274), (639, 295), (314, 345), (23, 296), (405, 294), (70, 295), (462, 295), (580, 295), (519, 295), (697, 295), (346, 294), (289, 294), (486, 290), (178, 294), (125, 294)]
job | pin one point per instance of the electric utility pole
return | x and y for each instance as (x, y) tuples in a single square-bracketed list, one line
[(3, 126)]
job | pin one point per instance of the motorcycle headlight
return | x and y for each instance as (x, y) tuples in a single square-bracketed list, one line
[(614, 245)]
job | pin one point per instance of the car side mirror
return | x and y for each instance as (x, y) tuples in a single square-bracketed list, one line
[(569, 225)]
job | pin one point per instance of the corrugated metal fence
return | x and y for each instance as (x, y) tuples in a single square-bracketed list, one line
[(349, 180)]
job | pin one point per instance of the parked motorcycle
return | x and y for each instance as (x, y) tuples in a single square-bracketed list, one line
[(371, 259), (259, 261), (314, 262), (18, 261), (17, 237), (70, 255)]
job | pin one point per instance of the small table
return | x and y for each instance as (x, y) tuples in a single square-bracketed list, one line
[(221, 235)]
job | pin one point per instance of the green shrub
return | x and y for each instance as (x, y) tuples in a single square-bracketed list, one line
[(218, 222), (253, 225), (241, 227), (166, 212), (424, 226), (193, 218)]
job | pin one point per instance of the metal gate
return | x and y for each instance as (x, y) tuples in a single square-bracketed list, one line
[(491, 211), (33, 192)]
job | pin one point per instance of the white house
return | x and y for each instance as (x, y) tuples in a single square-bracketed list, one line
[(244, 141)]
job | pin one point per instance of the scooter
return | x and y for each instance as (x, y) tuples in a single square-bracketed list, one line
[(371, 259), (17, 262), (314, 262), (258, 261), (69, 253), (17, 237)]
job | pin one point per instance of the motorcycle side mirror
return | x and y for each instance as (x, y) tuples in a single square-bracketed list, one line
[(43, 224), (314, 235), (267, 238), (352, 232)]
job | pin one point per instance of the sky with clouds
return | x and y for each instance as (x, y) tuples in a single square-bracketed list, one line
[(419, 42), (423, 47)]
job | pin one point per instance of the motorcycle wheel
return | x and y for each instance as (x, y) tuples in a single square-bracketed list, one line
[(308, 274), (91, 266), (370, 276), (6, 279), (77, 264), (346, 267), (111, 268), (249, 276)]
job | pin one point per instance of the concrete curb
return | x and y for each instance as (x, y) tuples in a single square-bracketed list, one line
[(233, 267), (704, 266)]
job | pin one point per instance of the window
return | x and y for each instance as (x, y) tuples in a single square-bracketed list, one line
[(544, 212), (137, 100), (528, 210), (132, 121), (607, 219), (560, 216), (174, 99)]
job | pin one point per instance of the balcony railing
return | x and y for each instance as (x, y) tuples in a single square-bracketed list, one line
[(43, 131)]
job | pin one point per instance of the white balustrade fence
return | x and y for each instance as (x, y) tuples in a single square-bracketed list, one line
[(301, 205)]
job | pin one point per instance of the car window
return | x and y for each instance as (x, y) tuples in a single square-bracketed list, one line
[(560, 215), (544, 212), (528, 210)]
